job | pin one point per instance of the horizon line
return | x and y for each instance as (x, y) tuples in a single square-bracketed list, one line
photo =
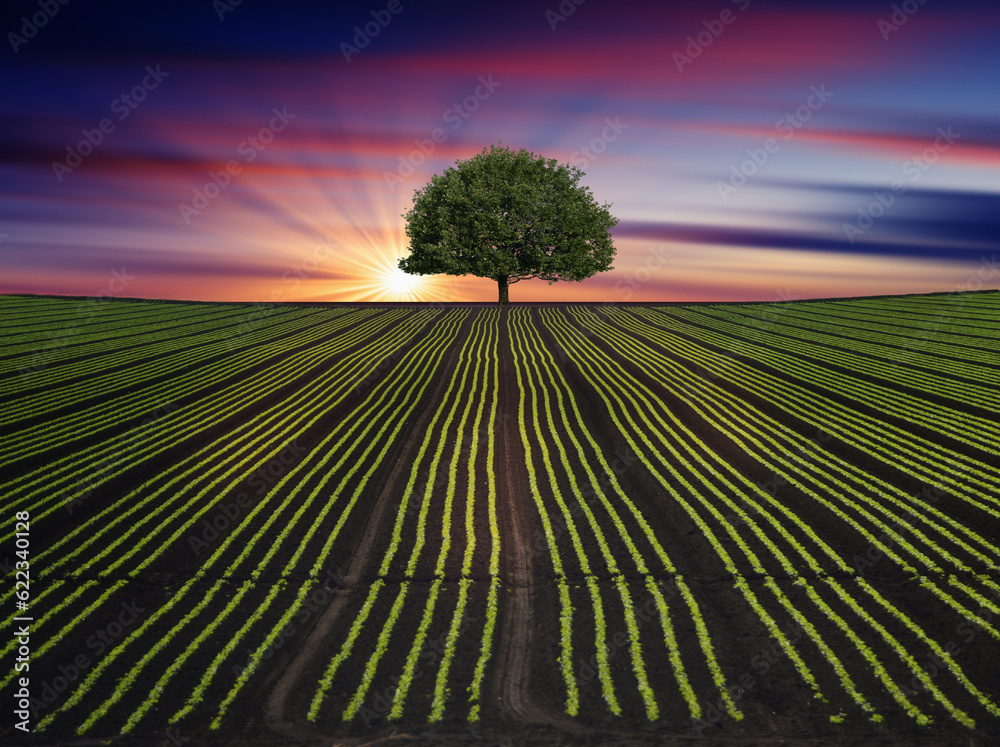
[(459, 304)]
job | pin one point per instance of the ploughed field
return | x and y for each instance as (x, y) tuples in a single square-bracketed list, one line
[(553, 523)]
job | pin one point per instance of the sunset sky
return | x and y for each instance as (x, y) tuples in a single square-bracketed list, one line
[(752, 150)]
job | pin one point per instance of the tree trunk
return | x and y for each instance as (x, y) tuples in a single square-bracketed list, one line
[(502, 284)]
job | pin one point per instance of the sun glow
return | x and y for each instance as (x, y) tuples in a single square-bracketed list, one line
[(300, 234), (398, 285)]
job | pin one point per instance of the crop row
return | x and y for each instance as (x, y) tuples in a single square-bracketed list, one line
[(921, 371), (295, 516), (549, 411), (135, 525), (136, 374), (64, 482), (635, 409), (825, 404), (57, 366), (465, 417)]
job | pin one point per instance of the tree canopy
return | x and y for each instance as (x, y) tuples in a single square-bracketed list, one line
[(508, 216)]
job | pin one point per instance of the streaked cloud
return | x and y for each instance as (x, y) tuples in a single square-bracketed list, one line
[(364, 134)]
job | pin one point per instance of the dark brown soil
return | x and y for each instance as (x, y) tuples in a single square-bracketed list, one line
[(523, 695)]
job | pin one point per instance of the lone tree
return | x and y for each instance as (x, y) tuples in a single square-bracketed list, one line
[(509, 217)]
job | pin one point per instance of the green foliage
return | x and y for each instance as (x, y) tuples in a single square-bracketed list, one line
[(780, 565), (485, 650), (699, 395), (508, 216)]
